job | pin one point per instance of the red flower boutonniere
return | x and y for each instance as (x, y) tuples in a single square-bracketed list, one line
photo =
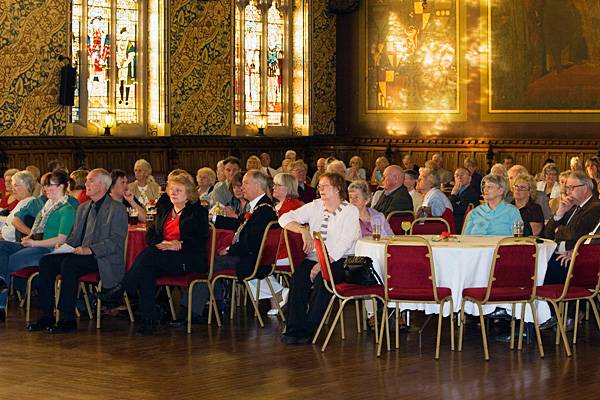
[(247, 216), (445, 235), (152, 202)]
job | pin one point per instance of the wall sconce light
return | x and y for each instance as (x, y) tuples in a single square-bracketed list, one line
[(261, 124), (109, 122)]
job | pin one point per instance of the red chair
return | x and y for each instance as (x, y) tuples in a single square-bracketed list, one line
[(512, 280), (429, 226), (344, 292), (448, 215), (410, 278), (192, 279), (29, 274), (396, 218), (582, 283), (263, 268), (294, 246)]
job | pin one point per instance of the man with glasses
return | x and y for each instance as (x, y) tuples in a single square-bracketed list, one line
[(577, 215)]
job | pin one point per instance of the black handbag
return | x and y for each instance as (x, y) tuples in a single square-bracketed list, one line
[(359, 270)]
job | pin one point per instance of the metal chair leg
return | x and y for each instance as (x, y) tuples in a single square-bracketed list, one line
[(86, 299), (357, 309), (483, 333), (254, 304), (576, 322), (560, 329), (335, 321), (276, 302), (512, 327), (521, 326), (325, 316), (462, 325), (536, 326), (451, 324)]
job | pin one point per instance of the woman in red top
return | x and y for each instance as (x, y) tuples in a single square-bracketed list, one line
[(8, 201), (285, 192), (176, 246), (77, 185)]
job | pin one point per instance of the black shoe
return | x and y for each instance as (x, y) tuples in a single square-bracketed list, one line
[(551, 323), (41, 324), (3, 287), (181, 322), (2, 315), (499, 313), (289, 339), (112, 295), (149, 327), (63, 326)]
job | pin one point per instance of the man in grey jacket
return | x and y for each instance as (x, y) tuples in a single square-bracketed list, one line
[(98, 241)]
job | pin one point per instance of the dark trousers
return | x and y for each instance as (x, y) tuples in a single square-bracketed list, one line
[(71, 267), (300, 322), (148, 266), (557, 274)]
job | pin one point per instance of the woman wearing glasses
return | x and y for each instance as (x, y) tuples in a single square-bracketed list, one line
[(524, 192)]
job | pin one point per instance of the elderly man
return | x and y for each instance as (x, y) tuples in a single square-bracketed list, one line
[(470, 165), (461, 196), (394, 196), (508, 162), (306, 193), (541, 197), (222, 191), (265, 161), (577, 215), (97, 245), (320, 171), (444, 175)]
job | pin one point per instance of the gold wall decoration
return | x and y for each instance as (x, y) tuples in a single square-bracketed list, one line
[(323, 93), (412, 60), (200, 67), (32, 36), (542, 61)]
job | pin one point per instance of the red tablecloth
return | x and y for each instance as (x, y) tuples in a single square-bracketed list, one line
[(136, 242)]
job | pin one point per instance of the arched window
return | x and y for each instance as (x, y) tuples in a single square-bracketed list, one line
[(271, 59), (117, 62)]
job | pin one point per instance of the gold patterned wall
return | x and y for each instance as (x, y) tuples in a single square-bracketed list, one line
[(32, 36), (200, 67), (324, 69)]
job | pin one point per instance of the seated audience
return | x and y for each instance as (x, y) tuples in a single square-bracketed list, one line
[(144, 188), (77, 185), (540, 197), (8, 201), (51, 226), (549, 184), (222, 192), (495, 217), (320, 170), (206, 178), (394, 195), (360, 195), (220, 171), (508, 162), (575, 164), (407, 163), (286, 166), (381, 163), (22, 187), (98, 238), (445, 176), (265, 162), (253, 162), (410, 182), (55, 164), (35, 172), (592, 168), (119, 191), (461, 196), (524, 193), (336, 167), (229, 217), (176, 246), (306, 193), (500, 170), (356, 171), (338, 223), (435, 201), (562, 181), (471, 165)]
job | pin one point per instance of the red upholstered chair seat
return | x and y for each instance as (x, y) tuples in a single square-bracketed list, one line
[(352, 290), (554, 292), (283, 268), (508, 294), (181, 280), (419, 294), (92, 277), (25, 273)]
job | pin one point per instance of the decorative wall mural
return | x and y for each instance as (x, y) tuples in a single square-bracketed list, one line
[(200, 70), (32, 36), (324, 69), (544, 56)]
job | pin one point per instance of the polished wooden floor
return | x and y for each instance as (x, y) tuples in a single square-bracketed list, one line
[(243, 361)]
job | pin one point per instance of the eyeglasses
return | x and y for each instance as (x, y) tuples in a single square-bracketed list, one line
[(521, 188), (319, 187), (571, 188)]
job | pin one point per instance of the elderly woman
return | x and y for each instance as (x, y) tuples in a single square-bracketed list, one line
[(119, 191), (495, 217), (77, 185), (176, 246), (144, 188), (51, 227), (227, 216), (8, 201), (253, 162), (356, 172), (592, 168), (206, 178), (550, 184), (381, 164), (562, 181), (359, 195), (524, 192), (499, 169), (435, 202), (337, 221)]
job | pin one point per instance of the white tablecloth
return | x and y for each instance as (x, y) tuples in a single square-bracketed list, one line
[(462, 264)]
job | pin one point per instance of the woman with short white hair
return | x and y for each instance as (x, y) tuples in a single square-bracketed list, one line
[(360, 195), (144, 188), (356, 172), (435, 202)]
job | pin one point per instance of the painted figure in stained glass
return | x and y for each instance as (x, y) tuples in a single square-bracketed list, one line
[(98, 51), (125, 65)]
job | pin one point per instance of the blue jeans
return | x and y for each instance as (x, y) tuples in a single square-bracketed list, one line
[(6, 250), (22, 258)]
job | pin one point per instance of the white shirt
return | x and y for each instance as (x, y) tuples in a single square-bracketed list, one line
[(343, 229), (437, 200), (254, 202), (417, 199), (8, 230), (268, 171), (555, 189)]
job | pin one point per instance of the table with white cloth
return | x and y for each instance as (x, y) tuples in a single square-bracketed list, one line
[(462, 263)]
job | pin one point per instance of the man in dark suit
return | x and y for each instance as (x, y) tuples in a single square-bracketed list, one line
[(578, 214), (394, 196), (306, 193), (461, 196), (98, 239)]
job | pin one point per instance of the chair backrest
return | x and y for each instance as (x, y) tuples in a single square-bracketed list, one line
[(294, 246), (211, 248), (395, 219), (429, 226), (448, 216), (323, 259), (584, 269), (409, 265), (269, 246), (514, 264)]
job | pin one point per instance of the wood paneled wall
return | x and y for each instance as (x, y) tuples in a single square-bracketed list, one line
[(193, 152)]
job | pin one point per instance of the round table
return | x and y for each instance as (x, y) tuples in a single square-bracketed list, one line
[(461, 264)]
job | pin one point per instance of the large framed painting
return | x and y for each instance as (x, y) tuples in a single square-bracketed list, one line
[(542, 60), (412, 61)]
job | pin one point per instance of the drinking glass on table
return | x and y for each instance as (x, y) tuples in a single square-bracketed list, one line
[(376, 231), (406, 225), (518, 228)]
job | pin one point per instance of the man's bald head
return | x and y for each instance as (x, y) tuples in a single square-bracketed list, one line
[(393, 178)]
